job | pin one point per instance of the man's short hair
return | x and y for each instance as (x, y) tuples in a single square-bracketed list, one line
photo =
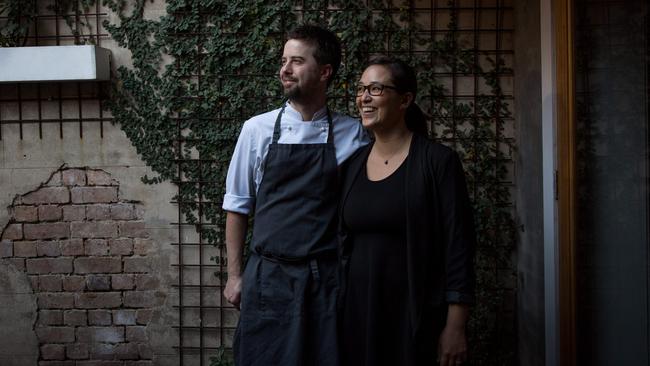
[(328, 47)]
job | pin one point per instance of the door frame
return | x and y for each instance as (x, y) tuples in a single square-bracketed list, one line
[(566, 177)]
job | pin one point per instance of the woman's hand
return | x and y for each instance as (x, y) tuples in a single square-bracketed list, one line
[(452, 347)]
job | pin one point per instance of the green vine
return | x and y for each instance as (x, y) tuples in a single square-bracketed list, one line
[(21, 16), (205, 67), (15, 28)]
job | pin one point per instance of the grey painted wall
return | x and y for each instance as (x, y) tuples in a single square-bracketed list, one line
[(528, 114)]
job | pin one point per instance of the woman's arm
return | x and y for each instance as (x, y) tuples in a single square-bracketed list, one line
[(452, 346)]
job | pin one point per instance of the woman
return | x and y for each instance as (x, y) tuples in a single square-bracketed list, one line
[(407, 234)]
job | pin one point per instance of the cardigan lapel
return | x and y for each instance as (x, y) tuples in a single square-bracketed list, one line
[(353, 170)]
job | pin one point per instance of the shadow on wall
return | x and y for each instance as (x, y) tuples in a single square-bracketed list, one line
[(85, 252)]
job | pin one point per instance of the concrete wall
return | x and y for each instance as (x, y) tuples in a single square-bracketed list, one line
[(38, 332), (26, 164), (530, 252), (30, 153)]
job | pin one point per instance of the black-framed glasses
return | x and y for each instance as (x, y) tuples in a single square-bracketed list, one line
[(374, 89)]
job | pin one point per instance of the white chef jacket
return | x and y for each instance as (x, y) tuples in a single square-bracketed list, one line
[(247, 165)]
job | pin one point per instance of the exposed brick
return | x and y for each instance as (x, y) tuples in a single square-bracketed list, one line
[(99, 317), (73, 177), (142, 299), (13, 232), (94, 194), (74, 283), (136, 334), (53, 352), (72, 247), (127, 351), (96, 247), (133, 229), (98, 265), (142, 246), (48, 230), (57, 363), (25, 249), (98, 212), (122, 282), (55, 334), (50, 317), (100, 334), (47, 195), (146, 282), (124, 317), (99, 363), (143, 316), (137, 264), (48, 248), (98, 300), (50, 283), (59, 300), (103, 351), (75, 317), (19, 263), (50, 213), (139, 212), (77, 351), (74, 213), (49, 265), (122, 211), (55, 179), (33, 280), (25, 213), (98, 283), (145, 353), (99, 178), (6, 248), (94, 229), (121, 246), (140, 362)]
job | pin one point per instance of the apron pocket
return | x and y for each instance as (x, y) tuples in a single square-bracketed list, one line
[(282, 289)]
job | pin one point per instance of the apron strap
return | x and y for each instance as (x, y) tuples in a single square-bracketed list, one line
[(330, 131), (278, 119), (276, 128)]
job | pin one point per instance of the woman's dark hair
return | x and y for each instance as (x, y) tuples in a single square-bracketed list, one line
[(327, 45), (403, 77)]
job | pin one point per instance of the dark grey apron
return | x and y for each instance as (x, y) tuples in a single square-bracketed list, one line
[(289, 290)]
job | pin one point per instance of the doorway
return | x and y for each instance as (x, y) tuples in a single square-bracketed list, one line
[(610, 149)]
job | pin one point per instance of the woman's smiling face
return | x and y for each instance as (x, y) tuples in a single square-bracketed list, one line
[(379, 112)]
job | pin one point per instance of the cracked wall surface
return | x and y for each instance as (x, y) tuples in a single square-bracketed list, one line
[(84, 253)]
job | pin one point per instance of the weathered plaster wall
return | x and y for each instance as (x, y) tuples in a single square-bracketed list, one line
[(29, 155), (25, 164)]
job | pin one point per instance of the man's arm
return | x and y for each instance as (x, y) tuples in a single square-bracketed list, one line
[(236, 225)]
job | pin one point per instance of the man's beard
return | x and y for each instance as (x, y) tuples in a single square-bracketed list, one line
[(294, 93)]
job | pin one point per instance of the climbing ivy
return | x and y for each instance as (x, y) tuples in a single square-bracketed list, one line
[(207, 65), (20, 16)]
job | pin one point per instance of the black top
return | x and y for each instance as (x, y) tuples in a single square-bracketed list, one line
[(375, 316), (440, 238)]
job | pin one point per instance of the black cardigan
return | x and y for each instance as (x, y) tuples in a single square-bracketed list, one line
[(440, 236)]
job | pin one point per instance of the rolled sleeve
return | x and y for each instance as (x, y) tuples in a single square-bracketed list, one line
[(455, 297), (242, 205)]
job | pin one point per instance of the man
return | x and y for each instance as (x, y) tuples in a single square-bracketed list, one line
[(284, 170)]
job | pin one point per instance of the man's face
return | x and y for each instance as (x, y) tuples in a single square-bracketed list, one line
[(300, 74)]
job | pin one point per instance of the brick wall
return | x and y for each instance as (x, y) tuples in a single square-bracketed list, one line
[(85, 252)]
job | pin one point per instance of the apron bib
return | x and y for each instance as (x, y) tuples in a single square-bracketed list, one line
[(290, 284)]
